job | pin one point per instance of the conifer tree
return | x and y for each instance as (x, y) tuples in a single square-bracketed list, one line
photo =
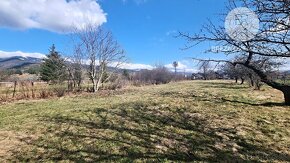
[(53, 69)]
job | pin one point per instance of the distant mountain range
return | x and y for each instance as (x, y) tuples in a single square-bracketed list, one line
[(22, 63), (18, 62), (288, 72)]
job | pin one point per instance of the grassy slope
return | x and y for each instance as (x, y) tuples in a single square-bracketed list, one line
[(206, 121)]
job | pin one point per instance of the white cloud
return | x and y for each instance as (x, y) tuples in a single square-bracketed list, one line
[(136, 66), (128, 66), (4, 54), (52, 15), (286, 66), (183, 66)]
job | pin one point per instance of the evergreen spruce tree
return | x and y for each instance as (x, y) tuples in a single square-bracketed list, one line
[(53, 69)]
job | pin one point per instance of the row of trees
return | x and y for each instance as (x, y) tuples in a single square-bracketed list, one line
[(96, 55), (159, 75), (242, 73), (55, 70), (95, 50), (260, 54)]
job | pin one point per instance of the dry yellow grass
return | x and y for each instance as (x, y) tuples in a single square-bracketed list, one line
[(179, 122)]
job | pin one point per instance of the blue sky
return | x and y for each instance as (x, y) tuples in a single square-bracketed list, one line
[(145, 28)]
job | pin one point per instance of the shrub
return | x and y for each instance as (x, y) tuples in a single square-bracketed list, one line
[(44, 93), (159, 75), (59, 90)]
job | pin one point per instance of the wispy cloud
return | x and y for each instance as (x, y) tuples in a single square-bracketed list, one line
[(170, 33), (183, 66), (136, 66), (52, 15)]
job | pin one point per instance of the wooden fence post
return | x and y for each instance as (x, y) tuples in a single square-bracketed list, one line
[(14, 90)]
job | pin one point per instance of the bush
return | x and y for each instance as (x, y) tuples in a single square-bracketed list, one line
[(118, 83), (159, 75), (113, 86), (44, 93), (59, 90)]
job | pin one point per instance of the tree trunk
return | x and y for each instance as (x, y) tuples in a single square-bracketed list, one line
[(101, 75), (99, 82), (252, 83), (243, 80), (286, 92), (236, 79), (79, 85), (68, 85), (264, 78), (251, 80), (99, 85), (74, 83), (204, 77), (32, 90), (94, 85)]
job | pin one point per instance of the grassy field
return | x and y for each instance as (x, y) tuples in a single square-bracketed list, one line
[(180, 122)]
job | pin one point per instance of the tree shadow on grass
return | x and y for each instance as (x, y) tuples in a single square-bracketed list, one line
[(141, 132), (221, 85), (235, 86), (219, 100), (266, 104), (228, 87)]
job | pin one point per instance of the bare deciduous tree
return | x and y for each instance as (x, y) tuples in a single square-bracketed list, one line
[(100, 50), (75, 68), (272, 43), (204, 68)]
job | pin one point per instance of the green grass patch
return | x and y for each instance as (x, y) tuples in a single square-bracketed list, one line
[(215, 121)]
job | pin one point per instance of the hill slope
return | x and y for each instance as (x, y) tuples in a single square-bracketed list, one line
[(18, 62)]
